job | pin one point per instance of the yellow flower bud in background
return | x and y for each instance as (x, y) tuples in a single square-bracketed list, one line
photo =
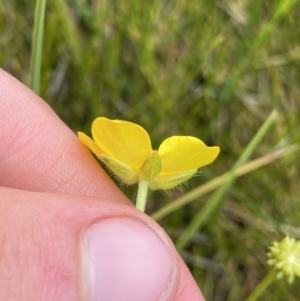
[(285, 257)]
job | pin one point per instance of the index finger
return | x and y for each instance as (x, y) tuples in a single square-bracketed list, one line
[(40, 153)]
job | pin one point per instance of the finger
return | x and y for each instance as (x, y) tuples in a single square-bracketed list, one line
[(188, 289), (40, 153), (58, 247)]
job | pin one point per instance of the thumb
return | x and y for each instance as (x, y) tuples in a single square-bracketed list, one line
[(62, 247)]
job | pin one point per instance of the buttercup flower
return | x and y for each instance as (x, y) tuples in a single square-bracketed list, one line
[(285, 257), (125, 148)]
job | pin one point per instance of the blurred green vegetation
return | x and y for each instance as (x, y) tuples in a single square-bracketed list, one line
[(210, 69)]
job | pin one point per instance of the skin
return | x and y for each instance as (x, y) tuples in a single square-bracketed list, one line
[(51, 187)]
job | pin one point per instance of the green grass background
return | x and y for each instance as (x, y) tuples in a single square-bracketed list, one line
[(210, 69)]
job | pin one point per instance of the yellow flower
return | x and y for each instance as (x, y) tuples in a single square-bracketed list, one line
[(125, 148), (285, 256)]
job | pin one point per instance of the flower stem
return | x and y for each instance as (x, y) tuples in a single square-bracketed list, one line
[(262, 286), (142, 195)]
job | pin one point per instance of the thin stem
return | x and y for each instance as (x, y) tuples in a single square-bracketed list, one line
[(37, 42), (262, 286), (142, 195)]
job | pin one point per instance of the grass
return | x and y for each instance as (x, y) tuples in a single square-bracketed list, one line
[(210, 69)]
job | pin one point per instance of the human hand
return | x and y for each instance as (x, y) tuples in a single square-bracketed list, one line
[(66, 231)]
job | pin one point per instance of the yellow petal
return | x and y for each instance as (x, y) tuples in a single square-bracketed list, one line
[(122, 140), (183, 153), (124, 172), (89, 143), (171, 181)]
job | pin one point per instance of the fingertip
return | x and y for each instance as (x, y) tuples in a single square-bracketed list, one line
[(81, 248), (126, 259), (188, 289)]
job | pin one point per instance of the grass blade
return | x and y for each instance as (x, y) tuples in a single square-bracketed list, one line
[(217, 182), (216, 199), (37, 42)]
